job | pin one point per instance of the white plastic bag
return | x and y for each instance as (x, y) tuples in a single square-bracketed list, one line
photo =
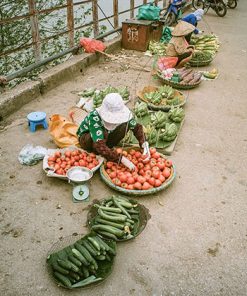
[(31, 155)]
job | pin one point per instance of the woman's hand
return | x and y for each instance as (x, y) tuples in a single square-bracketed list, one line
[(126, 162)]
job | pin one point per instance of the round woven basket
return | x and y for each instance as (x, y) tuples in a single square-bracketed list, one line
[(137, 193), (178, 85), (144, 216), (104, 270), (151, 106)]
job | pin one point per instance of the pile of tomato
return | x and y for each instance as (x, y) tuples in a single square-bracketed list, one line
[(61, 162), (148, 173)]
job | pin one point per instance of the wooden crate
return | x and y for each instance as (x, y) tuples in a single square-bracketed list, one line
[(136, 34)]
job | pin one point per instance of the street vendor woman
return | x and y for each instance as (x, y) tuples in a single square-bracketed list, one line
[(193, 19), (106, 126), (178, 46)]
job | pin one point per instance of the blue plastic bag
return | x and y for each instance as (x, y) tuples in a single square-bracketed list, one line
[(149, 12)]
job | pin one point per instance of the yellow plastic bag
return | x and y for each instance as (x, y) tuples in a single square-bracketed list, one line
[(63, 131)]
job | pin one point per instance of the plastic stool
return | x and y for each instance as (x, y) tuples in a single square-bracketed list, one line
[(35, 119)]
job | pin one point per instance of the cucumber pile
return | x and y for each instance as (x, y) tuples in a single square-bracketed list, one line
[(82, 263), (117, 218)]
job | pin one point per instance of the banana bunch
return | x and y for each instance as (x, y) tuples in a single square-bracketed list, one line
[(173, 101), (151, 134), (124, 93), (208, 43), (211, 74), (176, 114), (157, 48), (141, 109), (169, 133), (166, 91), (98, 98), (159, 119), (154, 97)]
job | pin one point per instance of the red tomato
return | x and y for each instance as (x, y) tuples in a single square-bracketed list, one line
[(95, 162), (125, 153), (152, 150), (52, 158), (124, 185), (113, 175), (130, 187), (168, 163), (157, 183), (138, 154), (142, 172), (73, 153), (62, 158), (76, 163), (81, 156), (84, 154), (90, 166), (155, 168), (161, 165), (77, 158), (58, 160), (130, 180), (156, 174), (56, 167), (155, 155), (108, 171), (129, 157), (117, 182), (92, 155), (63, 165), (162, 178), (67, 153), (128, 174), (89, 159), (151, 181), (67, 158), (132, 152), (146, 186), (138, 185), (141, 179), (51, 163), (135, 162), (57, 154), (82, 162), (140, 165), (72, 159), (166, 172), (109, 164), (147, 167), (60, 171), (152, 162), (148, 173), (123, 178)]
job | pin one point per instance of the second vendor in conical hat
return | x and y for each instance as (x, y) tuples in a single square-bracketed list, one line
[(178, 45)]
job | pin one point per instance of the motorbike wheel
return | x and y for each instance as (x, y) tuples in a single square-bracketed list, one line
[(221, 8), (232, 4), (170, 19), (197, 4)]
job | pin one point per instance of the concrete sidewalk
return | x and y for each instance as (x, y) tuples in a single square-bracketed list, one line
[(195, 242)]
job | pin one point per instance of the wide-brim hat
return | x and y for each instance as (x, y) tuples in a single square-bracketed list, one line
[(182, 29), (113, 109)]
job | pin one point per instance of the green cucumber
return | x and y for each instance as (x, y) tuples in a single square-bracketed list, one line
[(90, 280), (60, 269), (124, 203), (94, 243), (80, 257), (90, 248), (64, 264), (107, 248), (74, 260), (74, 275), (103, 221), (62, 279), (114, 210), (108, 258), (102, 247), (121, 207), (130, 221), (110, 229), (111, 217), (100, 257), (84, 252), (85, 271), (108, 235)]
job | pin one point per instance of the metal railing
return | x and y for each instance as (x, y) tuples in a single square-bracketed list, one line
[(70, 6)]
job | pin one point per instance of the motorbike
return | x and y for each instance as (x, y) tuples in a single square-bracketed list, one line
[(217, 5), (173, 12), (232, 4)]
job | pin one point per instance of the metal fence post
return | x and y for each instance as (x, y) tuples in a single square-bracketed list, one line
[(95, 18), (145, 1), (70, 22), (115, 12), (132, 7), (35, 29)]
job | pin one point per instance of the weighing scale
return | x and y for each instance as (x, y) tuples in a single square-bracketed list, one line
[(78, 176)]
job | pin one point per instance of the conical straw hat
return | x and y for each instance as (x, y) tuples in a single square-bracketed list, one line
[(182, 29)]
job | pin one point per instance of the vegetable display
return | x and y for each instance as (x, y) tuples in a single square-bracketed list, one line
[(116, 218), (61, 161), (147, 175), (157, 48), (161, 95), (188, 76), (141, 109), (176, 114), (83, 262), (205, 43), (99, 95)]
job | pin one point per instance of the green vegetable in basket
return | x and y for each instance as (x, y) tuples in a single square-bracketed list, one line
[(201, 56), (174, 101), (176, 114), (88, 92), (141, 109), (159, 119), (169, 133), (151, 134), (166, 91), (124, 92)]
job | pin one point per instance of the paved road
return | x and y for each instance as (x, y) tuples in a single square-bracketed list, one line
[(195, 242)]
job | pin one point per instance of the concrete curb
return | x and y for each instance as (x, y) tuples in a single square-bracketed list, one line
[(14, 99)]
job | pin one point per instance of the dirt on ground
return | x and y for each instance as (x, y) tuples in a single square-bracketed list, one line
[(195, 242)]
